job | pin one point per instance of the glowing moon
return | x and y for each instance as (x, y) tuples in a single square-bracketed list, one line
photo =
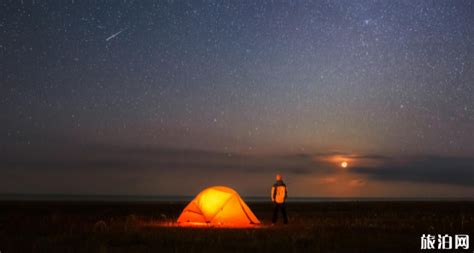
[(344, 164)]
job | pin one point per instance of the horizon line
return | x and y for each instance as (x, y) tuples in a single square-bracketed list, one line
[(151, 197)]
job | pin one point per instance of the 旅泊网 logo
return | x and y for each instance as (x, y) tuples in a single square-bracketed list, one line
[(444, 241)]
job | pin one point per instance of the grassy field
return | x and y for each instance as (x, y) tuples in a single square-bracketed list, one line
[(142, 227)]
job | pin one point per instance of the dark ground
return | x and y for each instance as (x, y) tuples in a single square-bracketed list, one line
[(314, 227)]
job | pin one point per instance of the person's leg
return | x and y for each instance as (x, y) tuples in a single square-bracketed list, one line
[(283, 212), (275, 213)]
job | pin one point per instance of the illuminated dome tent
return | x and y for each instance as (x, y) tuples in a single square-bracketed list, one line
[(218, 206)]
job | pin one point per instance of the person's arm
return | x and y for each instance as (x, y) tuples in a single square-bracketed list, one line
[(286, 192), (273, 194)]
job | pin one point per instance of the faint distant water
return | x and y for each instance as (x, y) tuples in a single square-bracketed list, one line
[(156, 198)]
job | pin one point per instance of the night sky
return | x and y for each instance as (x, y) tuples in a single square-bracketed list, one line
[(167, 98)]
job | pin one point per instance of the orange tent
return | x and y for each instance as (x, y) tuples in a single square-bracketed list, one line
[(218, 206)]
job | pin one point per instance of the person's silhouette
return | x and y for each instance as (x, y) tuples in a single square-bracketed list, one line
[(279, 195)]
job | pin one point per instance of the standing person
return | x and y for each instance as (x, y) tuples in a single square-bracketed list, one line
[(279, 194)]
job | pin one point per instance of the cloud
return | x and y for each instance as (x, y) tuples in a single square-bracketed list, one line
[(423, 169), (105, 169), (328, 180), (357, 183), (133, 158)]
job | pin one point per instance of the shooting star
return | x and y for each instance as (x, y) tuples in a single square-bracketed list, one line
[(115, 34)]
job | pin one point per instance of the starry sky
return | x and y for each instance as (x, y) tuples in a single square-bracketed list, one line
[(169, 97)]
